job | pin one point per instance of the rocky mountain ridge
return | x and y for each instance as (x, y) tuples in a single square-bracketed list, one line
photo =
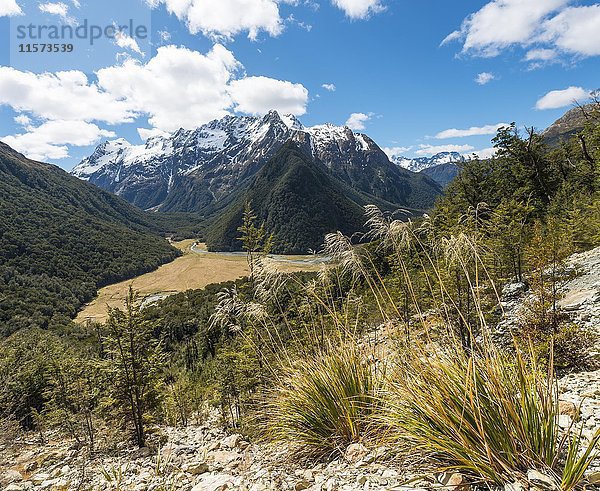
[(421, 163), (190, 170)]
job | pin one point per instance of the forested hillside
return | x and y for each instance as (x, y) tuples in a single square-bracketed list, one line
[(61, 239), (298, 202)]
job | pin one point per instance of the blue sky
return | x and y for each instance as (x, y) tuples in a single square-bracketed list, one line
[(408, 71)]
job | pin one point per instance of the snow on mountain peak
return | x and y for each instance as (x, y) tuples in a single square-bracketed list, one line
[(422, 163)]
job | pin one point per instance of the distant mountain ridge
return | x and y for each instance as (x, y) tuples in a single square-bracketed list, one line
[(421, 163), (570, 123), (194, 170)]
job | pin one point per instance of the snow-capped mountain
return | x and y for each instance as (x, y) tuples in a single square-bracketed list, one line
[(192, 169), (422, 163)]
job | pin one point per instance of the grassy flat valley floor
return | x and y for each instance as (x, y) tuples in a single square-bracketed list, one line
[(195, 269)]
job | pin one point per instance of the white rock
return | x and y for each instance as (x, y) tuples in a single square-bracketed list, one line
[(232, 441), (540, 480), (355, 452), (216, 482), (11, 476), (38, 479)]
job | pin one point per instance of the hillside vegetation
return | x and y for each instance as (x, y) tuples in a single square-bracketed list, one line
[(298, 202), (61, 239)]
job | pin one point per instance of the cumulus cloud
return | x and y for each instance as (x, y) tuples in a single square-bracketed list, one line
[(45, 95), (329, 87), (488, 129), (428, 150), (359, 9), (484, 78), (556, 99), (50, 139), (358, 121), (226, 18), (575, 30), (178, 87), (546, 28), (8, 8), (257, 95)]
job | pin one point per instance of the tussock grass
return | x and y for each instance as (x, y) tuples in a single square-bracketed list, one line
[(488, 415), (323, 404)]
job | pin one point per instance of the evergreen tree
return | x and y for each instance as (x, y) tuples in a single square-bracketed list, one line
[(135, 365)]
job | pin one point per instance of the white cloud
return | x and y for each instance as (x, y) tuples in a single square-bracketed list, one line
[(226, 18), (392, 152), (546, 28), (428, 150), (502, 23), (359, 9), (125, 41), (9, 8), (575, 30), (22, 119), (258, 95), (329, 87), (540, 54), (357, 121), (484, 78), (61, 96), (177, 88), (59, 8), (49, 140), (556, 99), (488, 129)]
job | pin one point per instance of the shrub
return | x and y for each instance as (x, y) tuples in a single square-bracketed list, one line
[(491, 416), (323, 404)]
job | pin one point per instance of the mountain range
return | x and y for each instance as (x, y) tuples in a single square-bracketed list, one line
[(570, 123), (297, 200), (420, 164), (195, 170), (442, 167)]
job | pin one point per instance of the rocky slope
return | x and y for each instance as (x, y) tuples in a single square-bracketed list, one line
[(193, 169), (567, 125), (203, 457), (580, 296)]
